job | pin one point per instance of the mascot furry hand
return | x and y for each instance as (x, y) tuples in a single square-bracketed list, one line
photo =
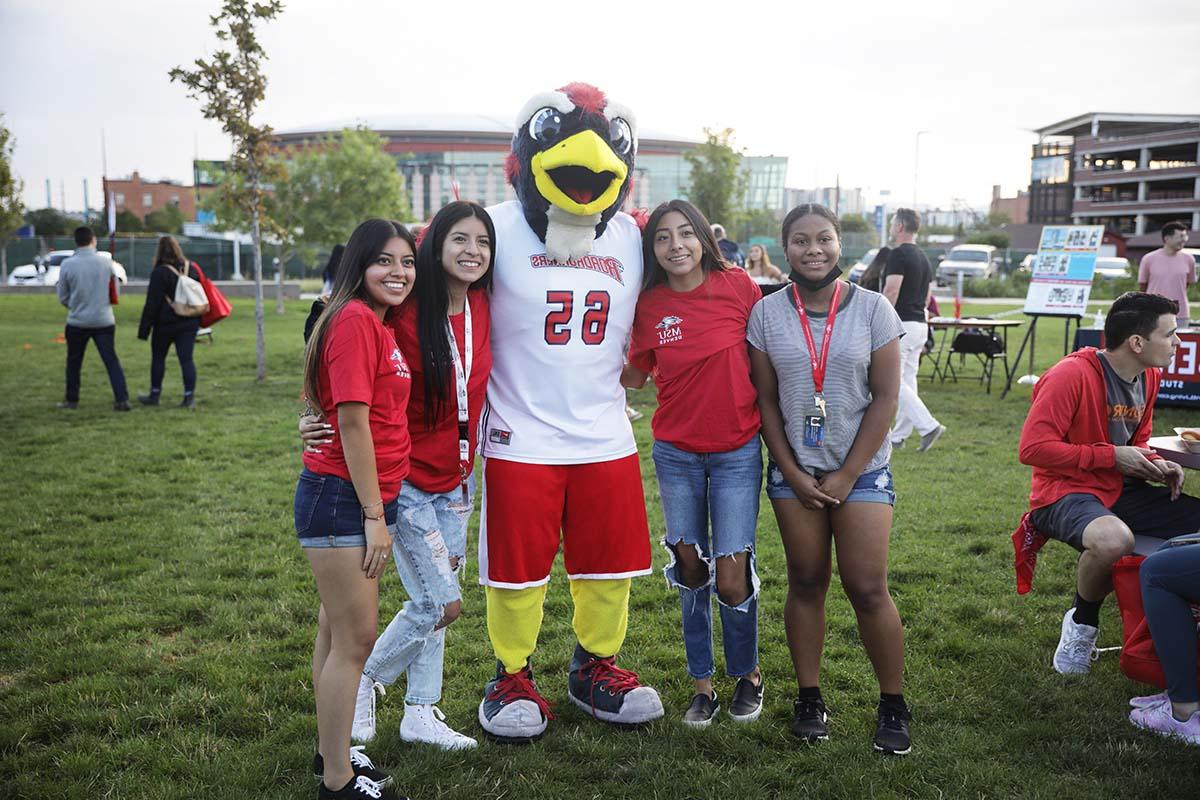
[(560, 463)]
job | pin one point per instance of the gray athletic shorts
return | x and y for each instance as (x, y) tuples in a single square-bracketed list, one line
[(1147, 509)]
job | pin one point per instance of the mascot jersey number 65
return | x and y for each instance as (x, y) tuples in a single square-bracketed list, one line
[(560, 462)]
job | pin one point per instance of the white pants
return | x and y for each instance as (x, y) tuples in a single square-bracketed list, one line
[(912, 412)]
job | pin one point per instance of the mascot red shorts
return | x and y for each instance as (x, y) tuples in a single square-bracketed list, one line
[(596, 511)]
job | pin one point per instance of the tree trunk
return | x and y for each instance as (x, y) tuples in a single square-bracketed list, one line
[(4, 261), (260, 345)]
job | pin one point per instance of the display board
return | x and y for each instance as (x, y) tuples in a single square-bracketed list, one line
[(1062, 270)]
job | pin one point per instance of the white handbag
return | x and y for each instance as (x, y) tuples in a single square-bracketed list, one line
[(190, 300)]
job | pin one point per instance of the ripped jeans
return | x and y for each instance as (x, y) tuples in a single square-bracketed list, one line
[(722, 489), (428, 533)]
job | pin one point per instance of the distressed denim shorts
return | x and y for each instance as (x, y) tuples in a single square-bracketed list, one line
[(328, 513), (875, 486)]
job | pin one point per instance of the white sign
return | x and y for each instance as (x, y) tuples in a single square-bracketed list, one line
[(1062, 270)]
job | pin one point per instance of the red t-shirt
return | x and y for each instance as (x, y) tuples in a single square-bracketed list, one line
[(435, 466), (360, 363), (694, 343)]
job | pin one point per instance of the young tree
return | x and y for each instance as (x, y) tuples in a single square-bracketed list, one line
[(10, 197), (718, 183), (231, 84), (168, 219)]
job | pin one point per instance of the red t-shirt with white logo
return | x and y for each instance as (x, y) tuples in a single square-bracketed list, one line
[(434, 460), (360, 363), (694, 344)]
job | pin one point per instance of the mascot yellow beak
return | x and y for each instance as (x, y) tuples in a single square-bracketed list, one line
[(581, 174)]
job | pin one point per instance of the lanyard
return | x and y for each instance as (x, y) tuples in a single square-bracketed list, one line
[(461, 376), (819, 361)]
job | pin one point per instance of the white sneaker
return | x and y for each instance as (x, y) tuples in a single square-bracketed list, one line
[(1076, 647), (364, 709), (425, 724)]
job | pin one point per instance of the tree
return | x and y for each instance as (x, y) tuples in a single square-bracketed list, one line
[(998, 239), (50, 222), (231, 85), (168, 219), (856, 223), (331, 188), (718, 183), (10, 197)]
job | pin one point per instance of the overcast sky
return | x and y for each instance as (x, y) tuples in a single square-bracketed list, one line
[(841, 88)]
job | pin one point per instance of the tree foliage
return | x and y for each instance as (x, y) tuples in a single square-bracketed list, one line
[(10, 196), (997, 239), (168, 219), (717, 182), (50, 222), (230, 85), (856, 223)]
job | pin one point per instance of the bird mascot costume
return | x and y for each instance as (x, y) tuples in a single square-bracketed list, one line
[(560, 461)]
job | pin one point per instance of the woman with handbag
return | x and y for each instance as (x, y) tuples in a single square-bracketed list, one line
[(170, 319)]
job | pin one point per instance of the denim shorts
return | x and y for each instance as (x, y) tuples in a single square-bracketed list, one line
[(328, 512), (875, 486)]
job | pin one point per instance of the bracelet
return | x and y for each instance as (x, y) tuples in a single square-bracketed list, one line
[(372, 505)]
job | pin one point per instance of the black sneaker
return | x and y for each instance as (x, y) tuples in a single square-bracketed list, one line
[(810, 720), (148, 399), (69, 405), (747, 702), (189, 401), (359, 788), (702, 710), (512, 710), (359, 762), (122, 405), (609, 693), (891, 732)]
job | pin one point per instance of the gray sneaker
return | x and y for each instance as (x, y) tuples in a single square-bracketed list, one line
[(702, 711), (928, 439)]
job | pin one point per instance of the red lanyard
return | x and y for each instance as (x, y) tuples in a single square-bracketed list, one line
[(818, 361)]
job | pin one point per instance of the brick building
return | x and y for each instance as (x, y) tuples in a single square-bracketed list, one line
[(1015, 208), (140, 197)]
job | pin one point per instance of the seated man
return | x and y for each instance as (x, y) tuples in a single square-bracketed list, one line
[(1085, 438)]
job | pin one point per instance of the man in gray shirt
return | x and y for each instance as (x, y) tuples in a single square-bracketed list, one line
[(83, 289)]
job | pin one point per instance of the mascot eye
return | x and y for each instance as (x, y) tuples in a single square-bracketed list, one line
[(620, 135), (545, 125)]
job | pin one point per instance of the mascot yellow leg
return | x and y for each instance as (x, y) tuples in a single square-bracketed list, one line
[(514, 617), (601, 614)]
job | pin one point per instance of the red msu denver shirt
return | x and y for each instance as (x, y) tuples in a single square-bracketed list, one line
[(362, 364), (694, 344)]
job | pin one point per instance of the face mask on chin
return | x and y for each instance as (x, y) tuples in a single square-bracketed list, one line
[(809, 285)]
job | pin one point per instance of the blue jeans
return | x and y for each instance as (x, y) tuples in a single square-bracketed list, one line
[(428, 533), (327, 512), (77, 339), (1170, 583), (875, 486), (722, 489), (183, 336)]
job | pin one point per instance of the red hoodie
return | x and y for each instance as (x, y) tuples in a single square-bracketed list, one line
[(1065, 438)]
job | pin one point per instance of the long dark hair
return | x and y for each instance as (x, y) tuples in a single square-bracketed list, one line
[(710, 254), (433, 301), (169, 252), (872, 276), (365, 245)]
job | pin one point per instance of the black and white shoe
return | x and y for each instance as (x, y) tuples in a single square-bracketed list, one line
[(360, 762), (891, 731), (608, 692), (810, 720), (359, 788), (747, 702), (513, 711), (701, 711)]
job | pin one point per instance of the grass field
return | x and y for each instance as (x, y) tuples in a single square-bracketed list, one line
[(156, 617)]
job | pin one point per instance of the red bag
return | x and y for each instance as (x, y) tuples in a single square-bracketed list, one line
[(218, 306), (1139, 662), (113, 296)]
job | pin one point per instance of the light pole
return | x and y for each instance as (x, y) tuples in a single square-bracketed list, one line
[(916, 165)]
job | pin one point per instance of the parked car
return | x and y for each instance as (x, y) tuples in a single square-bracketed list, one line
[(1110, 268), (970, 261), (45, 271), (861, 265)]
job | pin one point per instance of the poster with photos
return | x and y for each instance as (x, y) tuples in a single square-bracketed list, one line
[(1061, 275)]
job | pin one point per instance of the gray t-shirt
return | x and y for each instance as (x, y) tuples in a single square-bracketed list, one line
[(1126, 402), (865, 322)]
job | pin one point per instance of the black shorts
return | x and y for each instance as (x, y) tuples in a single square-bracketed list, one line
[(1147, 509)]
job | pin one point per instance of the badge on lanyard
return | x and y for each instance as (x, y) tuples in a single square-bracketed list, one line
[(814, 420), (462, 375)]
